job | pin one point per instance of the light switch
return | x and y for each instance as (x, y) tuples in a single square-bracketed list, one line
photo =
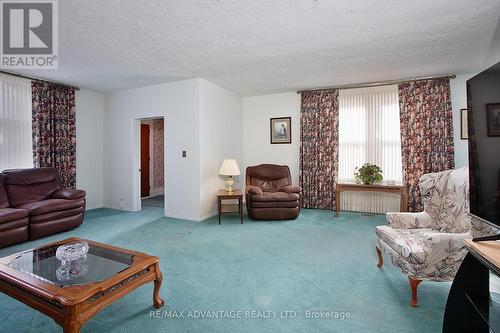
[(184, 154)]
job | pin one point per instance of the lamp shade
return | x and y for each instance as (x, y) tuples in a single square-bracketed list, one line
[(229, 168)]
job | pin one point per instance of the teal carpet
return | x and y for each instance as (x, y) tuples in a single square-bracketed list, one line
[(315, 263)]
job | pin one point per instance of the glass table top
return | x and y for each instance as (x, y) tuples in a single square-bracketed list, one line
[(99, 264)]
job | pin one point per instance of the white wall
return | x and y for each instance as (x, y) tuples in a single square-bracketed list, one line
[(200, 117), (89, 146), (221, 136), (257, 111), (459, 101), (210, 123), (178, 102)]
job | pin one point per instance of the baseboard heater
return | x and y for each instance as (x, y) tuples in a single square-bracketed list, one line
[(375, 203)]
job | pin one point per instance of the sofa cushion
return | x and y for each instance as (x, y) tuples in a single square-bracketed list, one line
[(51, 205), (11, 214), (276, 196), (4, 200), (270, 185), (291, 189), (15, 224), (56, 215), (68, 193), (14, 235), (253, 189), (37, 230), (30, 185)]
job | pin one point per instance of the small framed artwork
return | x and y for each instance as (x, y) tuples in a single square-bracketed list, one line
[(464, 127), (281, 130), (493, 119)]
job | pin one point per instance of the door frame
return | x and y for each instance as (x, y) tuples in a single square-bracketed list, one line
[(150, 123), (136, 153)]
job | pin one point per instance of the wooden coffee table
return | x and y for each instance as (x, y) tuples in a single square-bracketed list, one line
[(73, 293)]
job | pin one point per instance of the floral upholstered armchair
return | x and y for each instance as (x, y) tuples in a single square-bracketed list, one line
[(429, 245)]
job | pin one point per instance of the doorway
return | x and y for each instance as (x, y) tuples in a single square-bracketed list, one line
[(145, 160), (152, 162)]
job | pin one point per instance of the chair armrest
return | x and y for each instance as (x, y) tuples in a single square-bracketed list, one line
[(409, 220), (481, 229), (440, 248), (457, 239), (69, 194), (291, 189), (252, 189)]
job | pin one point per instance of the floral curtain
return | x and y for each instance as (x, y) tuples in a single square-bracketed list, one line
[(319, 122), (54, 129), (426, 132)]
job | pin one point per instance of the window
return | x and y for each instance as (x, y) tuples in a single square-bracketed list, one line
[(369, 131), (16, 149)]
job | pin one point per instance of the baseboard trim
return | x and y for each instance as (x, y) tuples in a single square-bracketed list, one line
[(191, 218), (183, 217), (208, 216), (117, 207), (94, 207)]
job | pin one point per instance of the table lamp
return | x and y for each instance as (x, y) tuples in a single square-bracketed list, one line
[(229, 168)]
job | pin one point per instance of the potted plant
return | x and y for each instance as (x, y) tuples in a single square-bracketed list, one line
[(368, 174)]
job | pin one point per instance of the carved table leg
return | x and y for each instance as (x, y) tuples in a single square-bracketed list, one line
[(413, 285), (157, 300), (380, 259), (72, 322), (72, 327)]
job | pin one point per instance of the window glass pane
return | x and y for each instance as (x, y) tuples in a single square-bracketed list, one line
[(369, 131), (16, 149)]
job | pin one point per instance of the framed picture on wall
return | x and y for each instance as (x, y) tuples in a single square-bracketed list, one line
[(464, 128), (281, 130), (493, 119)]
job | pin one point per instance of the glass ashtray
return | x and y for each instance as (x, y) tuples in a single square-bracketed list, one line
[(72, 251), (72, 270)]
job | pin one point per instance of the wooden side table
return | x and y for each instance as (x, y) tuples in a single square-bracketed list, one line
[(230, 208)]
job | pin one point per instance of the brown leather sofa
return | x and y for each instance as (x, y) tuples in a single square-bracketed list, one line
[(33, 205), (270, 194)]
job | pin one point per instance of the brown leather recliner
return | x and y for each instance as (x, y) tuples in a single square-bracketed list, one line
[(270, 194), (36, 205)]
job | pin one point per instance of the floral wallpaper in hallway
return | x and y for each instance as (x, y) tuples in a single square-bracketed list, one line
[(158, 148)]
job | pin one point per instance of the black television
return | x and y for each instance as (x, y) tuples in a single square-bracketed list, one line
[(483, 119)]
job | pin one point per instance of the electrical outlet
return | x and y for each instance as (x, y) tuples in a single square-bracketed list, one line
[(122, 202), (184, 154)]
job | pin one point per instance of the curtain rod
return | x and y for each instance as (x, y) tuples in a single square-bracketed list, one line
[(379, 83), (38, 79)]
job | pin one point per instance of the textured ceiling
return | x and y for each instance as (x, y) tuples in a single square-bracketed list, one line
[(260, 46)]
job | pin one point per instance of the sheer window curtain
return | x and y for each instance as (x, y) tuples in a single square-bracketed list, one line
[(16, 148), (369, 132)]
